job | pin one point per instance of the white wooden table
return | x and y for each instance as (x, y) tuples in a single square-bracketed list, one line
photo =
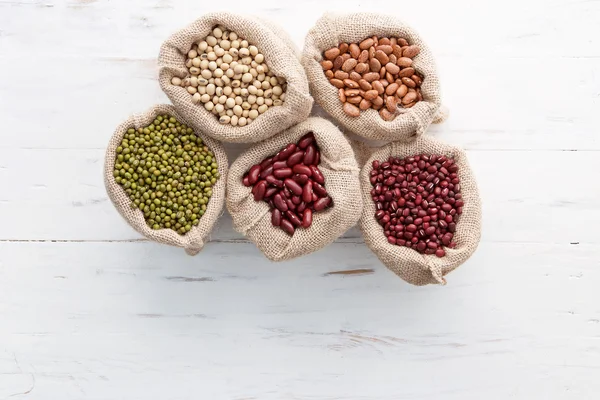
[(89, 310)]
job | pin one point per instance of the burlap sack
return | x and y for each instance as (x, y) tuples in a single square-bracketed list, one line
[(408, 264), (340, 170), (280, 55), (331, 30), (194, 240)]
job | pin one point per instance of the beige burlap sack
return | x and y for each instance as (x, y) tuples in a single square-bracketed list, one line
[(194, 240), (408, 264), (340, 170), (280, 55), (333, 29)]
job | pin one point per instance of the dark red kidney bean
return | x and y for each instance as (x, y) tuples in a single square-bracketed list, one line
[(279, 164), (283, 173), (322, 203), (301, 207), (253, 174), (266, 163), (309, 155), (301, 179), (261, 188), (296, 200), (266, 172), (271, 180), (285, 153), (306, 140), (315, 197), (302, 169), (280, 203), (307, 218), (271, 192), (317, 175), (290, 204), (295, 158), (293, 186), (317, 159), (307, 192), (287, 226), (276, 217), (293, 218), (246, 182)]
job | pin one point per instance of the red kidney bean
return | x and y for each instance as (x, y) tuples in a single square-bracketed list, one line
[(283, 173), (307, 218), (290, 204), (307, 192), (293, 218), (309, 155), (266, 172), (418, 201), (271, 192), (280, 203), (301, 179), (293, 186), (301, 207), (306, 140), (261, 188), (271, 180), (295, 158), (302, 169), (276, 217), (317, 175), (280, 164), (285, 153), (322, 203), (266, 162), (253, 174), (287, 227)]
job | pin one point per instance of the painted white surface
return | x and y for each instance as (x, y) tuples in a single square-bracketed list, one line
[(90, 311)]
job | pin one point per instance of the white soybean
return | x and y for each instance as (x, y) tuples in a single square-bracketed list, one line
[(228, 76)]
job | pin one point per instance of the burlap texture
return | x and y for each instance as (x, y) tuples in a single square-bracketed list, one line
[(194, 240), (333, 29), (340, 170), (408, 264), (280, 55)]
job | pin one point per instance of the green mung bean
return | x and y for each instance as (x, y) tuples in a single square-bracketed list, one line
[(167, 172)]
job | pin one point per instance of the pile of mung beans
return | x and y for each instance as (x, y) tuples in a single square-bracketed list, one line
[(230, 78), (167, 172)]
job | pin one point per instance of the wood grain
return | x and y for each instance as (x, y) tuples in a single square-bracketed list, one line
[(90, 310)]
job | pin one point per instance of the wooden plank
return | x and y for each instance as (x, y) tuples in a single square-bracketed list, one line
[(143, 321)]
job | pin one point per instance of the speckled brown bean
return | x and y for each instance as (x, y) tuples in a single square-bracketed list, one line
[(326, 64), (341, 75), (406, 72), (341, 95), (351, 110), (364, 104)]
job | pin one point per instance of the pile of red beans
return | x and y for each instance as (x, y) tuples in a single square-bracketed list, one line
[(292, 184), (418, 201)]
